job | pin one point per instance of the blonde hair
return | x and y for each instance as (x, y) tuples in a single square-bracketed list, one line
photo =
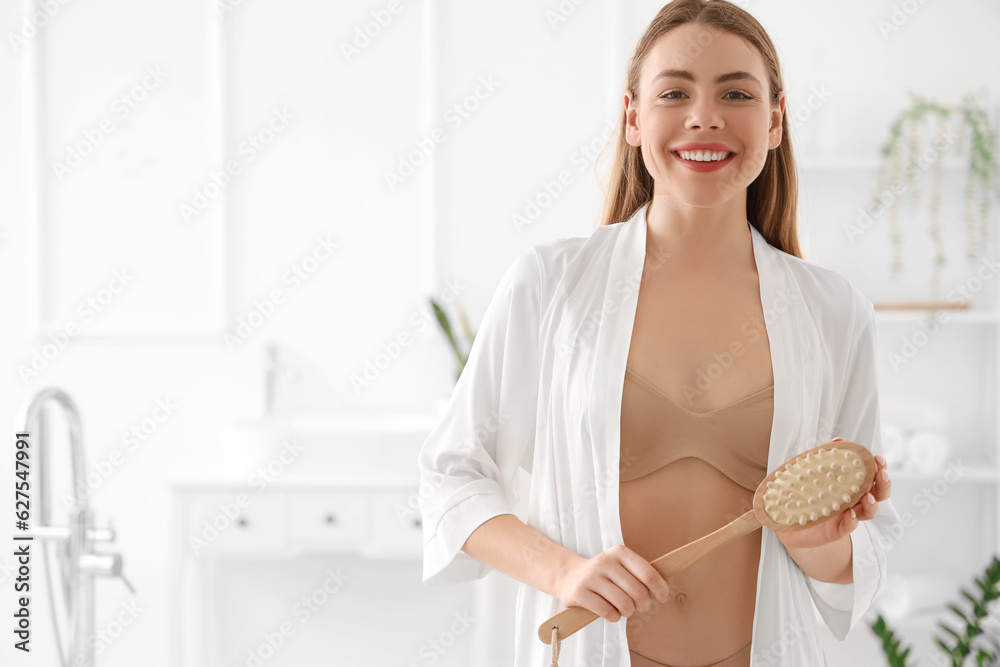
[(772, 197)]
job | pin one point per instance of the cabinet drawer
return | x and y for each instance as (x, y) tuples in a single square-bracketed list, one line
[(330, 520), (227, 522), (396, 526)]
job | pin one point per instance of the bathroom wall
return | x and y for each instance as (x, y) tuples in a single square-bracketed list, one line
[(187, 182)]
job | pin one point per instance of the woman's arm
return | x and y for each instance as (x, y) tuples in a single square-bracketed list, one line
[(469, 462), (876, 524), (520, 551), (615, 583), (831, 562)]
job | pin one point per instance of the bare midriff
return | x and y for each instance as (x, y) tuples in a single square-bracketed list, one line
[(697, 410)]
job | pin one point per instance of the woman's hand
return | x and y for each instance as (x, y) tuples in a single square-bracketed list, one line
[(612, 584), (849, 519)]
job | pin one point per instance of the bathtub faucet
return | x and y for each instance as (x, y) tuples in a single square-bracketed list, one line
[(79, 564)]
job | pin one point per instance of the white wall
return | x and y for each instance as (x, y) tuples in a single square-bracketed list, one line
[(556, 89)]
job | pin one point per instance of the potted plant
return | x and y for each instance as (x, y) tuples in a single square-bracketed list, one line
[(980, 627), (461, 351), (903, 173)]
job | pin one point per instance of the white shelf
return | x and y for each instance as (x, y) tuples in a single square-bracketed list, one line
[(954, 316), (925, 619), (980, 472), (949, 162), (980, 460), (213, 481)]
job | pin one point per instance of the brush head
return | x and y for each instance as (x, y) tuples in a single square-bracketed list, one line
[(815, 486)]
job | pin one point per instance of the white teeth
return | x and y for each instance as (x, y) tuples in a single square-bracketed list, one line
[(703, 156)]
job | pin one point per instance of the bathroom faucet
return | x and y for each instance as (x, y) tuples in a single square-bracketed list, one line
[(79, 564), (273, 370), (270, 376)]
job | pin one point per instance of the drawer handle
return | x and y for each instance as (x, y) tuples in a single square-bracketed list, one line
[(329, 518), (241, 522)]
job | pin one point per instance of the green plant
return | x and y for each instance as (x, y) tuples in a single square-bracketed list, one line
[(904, 174), (442, 318), (971, 638), (890, 644)]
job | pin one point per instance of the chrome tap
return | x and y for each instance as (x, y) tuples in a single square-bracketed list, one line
[(270, 376), (273, 371), (79, 564)]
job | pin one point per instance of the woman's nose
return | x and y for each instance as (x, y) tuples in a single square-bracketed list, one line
[(700, 119), (705, 112)]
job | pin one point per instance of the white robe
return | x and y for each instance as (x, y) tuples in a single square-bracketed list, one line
[(532, 429)]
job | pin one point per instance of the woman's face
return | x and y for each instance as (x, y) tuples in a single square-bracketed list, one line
[(676, 109)]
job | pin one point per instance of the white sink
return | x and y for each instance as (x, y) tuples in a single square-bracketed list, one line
[(355, 449)]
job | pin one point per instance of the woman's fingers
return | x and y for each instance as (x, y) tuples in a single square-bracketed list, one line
[(621, 603), (625, 593), (848, 521), (627, 582), (821, 534), (881, 488), (883, 485), (649, 581), (866, 508), (631, 593), (637, 577), (598, 602)]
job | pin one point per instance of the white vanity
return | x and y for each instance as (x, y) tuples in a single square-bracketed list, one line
[(294, 487)]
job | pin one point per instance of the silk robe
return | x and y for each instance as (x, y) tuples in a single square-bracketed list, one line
[(532, 429)]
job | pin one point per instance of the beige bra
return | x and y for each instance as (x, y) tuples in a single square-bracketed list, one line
[(656, 431)]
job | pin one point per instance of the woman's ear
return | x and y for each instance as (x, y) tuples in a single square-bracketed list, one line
[(775, 131), (633, 134)]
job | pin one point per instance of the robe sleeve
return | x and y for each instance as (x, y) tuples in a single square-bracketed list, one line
[(469, 461), (842, 605)]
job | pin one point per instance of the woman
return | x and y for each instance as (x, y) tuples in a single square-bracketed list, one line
[(628, 391)]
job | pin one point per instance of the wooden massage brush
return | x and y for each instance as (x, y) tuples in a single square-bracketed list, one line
[(803, 492)]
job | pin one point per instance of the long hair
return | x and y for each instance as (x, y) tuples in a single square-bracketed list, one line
[(772, 197)]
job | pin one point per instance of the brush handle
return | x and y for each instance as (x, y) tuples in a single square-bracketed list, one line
[(572, 619)]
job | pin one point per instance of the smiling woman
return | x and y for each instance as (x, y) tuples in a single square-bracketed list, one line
[(705, 79), (653, 374)]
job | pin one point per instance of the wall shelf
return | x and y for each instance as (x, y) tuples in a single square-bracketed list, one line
[(949, 163), (980, 472), (954, 316)]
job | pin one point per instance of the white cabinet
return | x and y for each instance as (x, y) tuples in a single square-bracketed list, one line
[(330, 520), (233, 522), (218, 520), (396, 525)]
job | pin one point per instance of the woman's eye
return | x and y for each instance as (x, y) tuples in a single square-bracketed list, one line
[(669, 93)]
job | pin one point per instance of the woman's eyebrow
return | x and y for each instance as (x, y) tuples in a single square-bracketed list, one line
[(722, 78)]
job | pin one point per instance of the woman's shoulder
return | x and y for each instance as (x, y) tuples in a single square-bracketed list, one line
[(541, 265), (556, 255), (827, 290)]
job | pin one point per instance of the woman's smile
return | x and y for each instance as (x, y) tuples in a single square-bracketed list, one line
[(703, 164)]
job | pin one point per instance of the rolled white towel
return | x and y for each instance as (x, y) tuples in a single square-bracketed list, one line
[(927, 451), (894, 600), (906, 595), (894, 447)]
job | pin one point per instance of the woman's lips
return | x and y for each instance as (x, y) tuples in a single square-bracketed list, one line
[(694, 165)]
